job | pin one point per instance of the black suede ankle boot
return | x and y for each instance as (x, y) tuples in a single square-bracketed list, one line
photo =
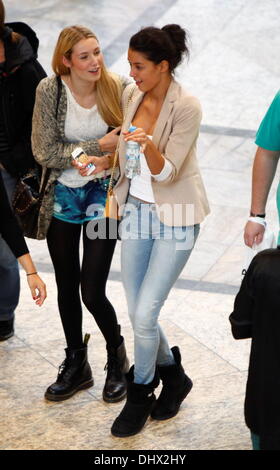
[(117, 366), (74, 375), (176, 386), (139, 404)]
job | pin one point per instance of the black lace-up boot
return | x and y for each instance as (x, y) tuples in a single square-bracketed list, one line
[(74, 374), (139, 404), (117, 366), (176, 386)]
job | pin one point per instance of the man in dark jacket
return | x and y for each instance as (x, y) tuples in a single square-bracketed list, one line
[(256, 315), (20, 73)]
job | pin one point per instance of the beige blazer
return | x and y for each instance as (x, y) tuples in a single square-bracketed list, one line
[(180, 199)]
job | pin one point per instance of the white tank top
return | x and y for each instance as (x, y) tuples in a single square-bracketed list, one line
[(81, 124), (141, 185)]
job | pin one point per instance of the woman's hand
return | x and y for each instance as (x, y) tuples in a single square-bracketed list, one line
[(37, 288), (139, 136), (253, 233), (108, 143), (154, 159), (101, 164)]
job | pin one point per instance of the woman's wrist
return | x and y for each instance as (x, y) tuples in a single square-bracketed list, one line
[(110, 160), (101, 143), (107, 162), (31, 274)]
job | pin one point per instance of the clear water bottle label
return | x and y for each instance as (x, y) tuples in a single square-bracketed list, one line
[(132, 167)]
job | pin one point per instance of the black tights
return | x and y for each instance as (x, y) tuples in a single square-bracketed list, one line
[(63, 242)]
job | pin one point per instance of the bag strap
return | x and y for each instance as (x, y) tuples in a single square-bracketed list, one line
[(58, 96), (110, 186), (116, 155), (46, 178)]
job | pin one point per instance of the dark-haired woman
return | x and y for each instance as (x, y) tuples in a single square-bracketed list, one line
[(164, 206)]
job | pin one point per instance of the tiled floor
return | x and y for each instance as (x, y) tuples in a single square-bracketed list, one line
[(235, 73)]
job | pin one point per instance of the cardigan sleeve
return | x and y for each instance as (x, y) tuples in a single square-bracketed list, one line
[(9, 227)]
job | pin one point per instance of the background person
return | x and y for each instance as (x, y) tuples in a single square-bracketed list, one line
[(264, 168), (20, 73), (11, 233), (256, 316)]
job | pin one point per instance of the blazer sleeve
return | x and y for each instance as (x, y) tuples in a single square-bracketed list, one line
[(9, 227), (48, 146), (183, 136)]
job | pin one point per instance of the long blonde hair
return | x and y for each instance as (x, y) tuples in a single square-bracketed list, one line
[(108, 87)]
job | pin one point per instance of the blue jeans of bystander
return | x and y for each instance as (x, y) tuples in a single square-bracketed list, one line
[(9, 272)]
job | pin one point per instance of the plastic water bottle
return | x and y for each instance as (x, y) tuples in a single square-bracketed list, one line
[(132, 167)]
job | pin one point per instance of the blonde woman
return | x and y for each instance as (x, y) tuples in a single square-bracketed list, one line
[(74, 108)]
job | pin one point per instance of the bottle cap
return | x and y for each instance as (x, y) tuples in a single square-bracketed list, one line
[(132, 128)]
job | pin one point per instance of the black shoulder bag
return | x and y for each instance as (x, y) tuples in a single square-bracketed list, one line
[(28, 196)]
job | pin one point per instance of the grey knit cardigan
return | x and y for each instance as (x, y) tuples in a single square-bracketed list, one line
[(49, 144)]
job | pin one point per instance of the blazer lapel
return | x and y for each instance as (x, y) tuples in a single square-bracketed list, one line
[(132, 108), (171, 96)]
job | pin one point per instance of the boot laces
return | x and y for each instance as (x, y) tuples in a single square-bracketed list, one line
[(113, 366), (64, 371), (62, 367)]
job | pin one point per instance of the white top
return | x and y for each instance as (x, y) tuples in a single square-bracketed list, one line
[(81, 124), (141, 185)]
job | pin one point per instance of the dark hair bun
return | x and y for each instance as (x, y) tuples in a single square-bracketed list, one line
[(180, 40), (168, 43), (178, 36)]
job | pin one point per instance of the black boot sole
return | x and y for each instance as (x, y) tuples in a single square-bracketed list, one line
[(115, 399), (128, 434), (7, 336), (181, 398), (82, 386), (116, 434), (136, 431)]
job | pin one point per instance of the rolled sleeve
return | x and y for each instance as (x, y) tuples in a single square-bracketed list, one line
[(165, 172)]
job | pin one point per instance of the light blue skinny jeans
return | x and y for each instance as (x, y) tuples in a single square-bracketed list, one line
[(152, 258)]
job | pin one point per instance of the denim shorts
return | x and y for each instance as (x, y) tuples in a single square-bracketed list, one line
[(79, 205)]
